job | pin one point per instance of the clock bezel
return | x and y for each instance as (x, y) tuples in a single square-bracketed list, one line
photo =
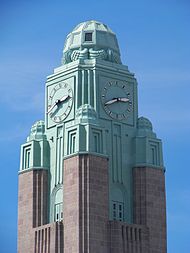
[(124, 87), (59, 118)]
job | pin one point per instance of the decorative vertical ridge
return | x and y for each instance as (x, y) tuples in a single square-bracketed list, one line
[(61, 160), (79, 89), (92, 87), (58, 151), (89, 86), (117, 154), (84, 87), (95, 90), (49, 238)]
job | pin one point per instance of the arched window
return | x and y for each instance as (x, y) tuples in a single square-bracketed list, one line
[(57, 204)]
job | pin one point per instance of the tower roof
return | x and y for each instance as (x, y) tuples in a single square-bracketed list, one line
[(91, 39)]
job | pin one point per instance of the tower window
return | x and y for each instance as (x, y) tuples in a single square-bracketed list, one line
[(88, 36), (72, 142), (117, 210), (27, 158), (58, 212)]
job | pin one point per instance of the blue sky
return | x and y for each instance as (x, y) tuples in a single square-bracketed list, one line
[(154, 40)]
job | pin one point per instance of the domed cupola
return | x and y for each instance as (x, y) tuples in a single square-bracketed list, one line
[(86, 113), (148, 146), (90, 40), (37, 131), (145, 127)]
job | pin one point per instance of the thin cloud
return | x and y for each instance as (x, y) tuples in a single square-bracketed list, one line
[(172, 77), (32, 103)]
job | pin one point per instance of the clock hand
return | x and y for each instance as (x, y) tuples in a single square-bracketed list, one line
[(64, 98), (51, 108), (111, 101), (117, 100), (123, 99), (58, 101)]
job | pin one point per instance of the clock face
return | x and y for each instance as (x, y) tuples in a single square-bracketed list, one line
[(60, 102), (116, 100)]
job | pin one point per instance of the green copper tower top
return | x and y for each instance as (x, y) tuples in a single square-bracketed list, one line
[(90, 40), (92, 108)]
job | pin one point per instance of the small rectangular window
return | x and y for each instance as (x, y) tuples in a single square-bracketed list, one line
[(88, 36), (118, 211), (28, 159), (58, 212)]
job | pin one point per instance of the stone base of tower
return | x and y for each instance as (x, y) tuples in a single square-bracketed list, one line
[(150, 205), (86, 204), (128, 238), (32, 206), (34, 234), (86, 227)]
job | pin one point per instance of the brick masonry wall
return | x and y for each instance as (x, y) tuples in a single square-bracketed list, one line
[(86, 204), (150, 205), (25, 213), (128, 238), (40, 197), (49, 238), (32, 207)]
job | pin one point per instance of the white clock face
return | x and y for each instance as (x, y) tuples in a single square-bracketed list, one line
[(116, 100), (60, 102)]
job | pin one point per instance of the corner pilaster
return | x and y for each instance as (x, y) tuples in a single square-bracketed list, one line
[(85, 204)]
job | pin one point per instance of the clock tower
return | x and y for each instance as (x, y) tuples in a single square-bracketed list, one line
[(91, 175)]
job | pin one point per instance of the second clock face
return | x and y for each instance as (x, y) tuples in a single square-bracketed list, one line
[(60, 102), (116, 100)]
